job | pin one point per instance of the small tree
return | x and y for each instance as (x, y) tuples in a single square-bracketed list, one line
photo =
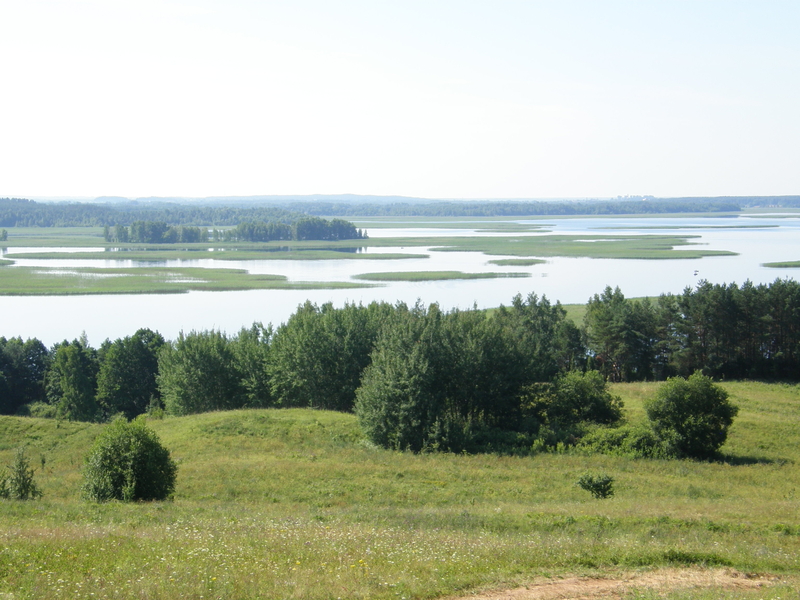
[(128, 463), (691, 416), (599, 486), (18, 483)]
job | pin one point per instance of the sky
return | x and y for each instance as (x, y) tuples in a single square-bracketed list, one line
[(434, 99)]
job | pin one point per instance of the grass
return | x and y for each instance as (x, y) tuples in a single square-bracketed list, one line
[(575, 313), (295, 504), (65, 237), (161, 254), (591, 246), (4, 262), (792, 264), (679, 227), (432, 275), (29, 281), (494, 224), (517, 262)]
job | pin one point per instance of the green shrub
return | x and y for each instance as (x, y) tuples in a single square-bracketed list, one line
[(630, 441), (40, 410), (18, 482), (573, 398), (600, 486), (691, 416), (128, 462)]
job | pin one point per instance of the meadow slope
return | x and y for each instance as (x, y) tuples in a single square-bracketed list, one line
[(296, 504)]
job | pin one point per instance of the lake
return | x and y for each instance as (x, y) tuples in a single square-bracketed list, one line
[(756, 238)]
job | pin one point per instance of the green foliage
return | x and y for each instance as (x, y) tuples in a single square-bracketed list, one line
[(691, 416), (153, 232), (22, 370), (547, 341), (623, 335), (127, 462), (725, 330), (126, 381), (315, 228), (600, 486), (199, 372), (41, 410), (439, 381), (630, 441), (573, 398), (319, 354), (257, 232), (71, 381), (251, 349), (18, 482)]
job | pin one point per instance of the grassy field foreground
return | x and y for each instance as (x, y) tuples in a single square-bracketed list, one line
[(295, 504)]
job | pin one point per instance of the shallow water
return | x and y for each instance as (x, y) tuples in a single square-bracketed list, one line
[(570, 280)]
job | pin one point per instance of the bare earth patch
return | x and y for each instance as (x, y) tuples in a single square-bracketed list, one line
[(589, 588)]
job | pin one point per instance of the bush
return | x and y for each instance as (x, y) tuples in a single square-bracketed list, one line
[(630, 441), (128, 462), (691, 416), (573, 399), (600, 486), (18, 483), (41, 410)]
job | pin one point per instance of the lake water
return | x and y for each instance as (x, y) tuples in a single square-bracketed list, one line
[(570, 280)]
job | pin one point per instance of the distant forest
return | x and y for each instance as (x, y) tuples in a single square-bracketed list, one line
[(511, 208), (17, 212)]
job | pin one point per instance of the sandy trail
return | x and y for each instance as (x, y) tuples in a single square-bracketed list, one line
[(587, 588)]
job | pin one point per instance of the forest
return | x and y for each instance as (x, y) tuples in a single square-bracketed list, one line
[(420, 378), (305, 228), (518, 208), (19, 212)]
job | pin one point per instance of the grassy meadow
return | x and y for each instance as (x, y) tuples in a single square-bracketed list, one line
[(26, 281), (296, 504), (432, 275)]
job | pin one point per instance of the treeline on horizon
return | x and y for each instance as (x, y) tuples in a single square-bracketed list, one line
[(305, 228), (511, 208), (419, 377), (17, 212)]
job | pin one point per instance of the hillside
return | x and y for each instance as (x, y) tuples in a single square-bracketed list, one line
[(294, 503)]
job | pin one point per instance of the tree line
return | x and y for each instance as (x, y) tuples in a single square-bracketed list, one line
[(516, 208), (20, 212), (724, 330), (419, 377), (307, 228)]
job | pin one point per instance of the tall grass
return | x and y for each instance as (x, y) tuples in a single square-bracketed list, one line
[(296, 504)]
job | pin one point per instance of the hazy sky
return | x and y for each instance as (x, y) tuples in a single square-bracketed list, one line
[(453, 99)]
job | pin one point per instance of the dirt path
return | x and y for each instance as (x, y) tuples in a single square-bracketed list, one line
[(587, 588)]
